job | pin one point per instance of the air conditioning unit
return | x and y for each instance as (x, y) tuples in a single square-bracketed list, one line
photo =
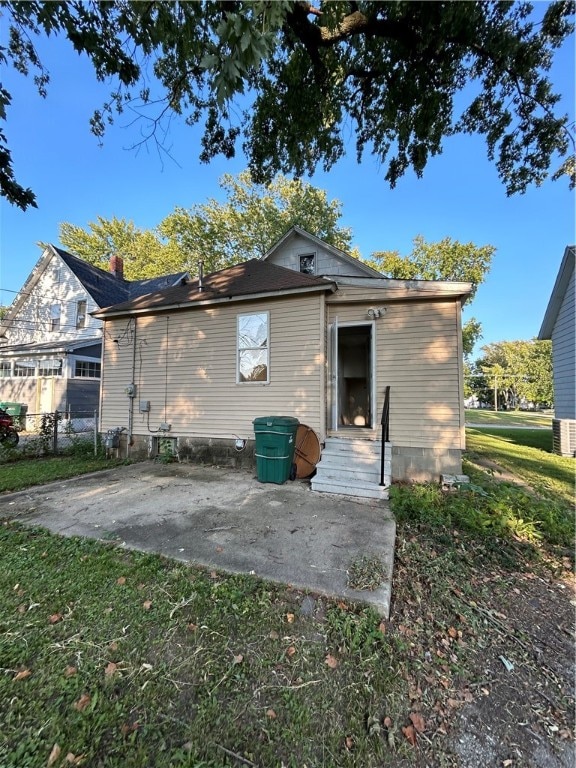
[(564, 436)]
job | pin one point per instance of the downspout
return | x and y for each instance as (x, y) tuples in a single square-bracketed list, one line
[(129, 439)]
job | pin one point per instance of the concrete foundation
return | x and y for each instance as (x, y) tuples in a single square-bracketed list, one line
[(409, 464)]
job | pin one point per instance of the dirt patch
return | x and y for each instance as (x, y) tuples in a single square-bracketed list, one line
[(492, 675)]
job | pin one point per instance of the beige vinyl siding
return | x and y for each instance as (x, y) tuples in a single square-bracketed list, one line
[(418, 355), (185, 365)]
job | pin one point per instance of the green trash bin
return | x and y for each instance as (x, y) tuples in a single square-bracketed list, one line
[(17, 411), (275, 443)]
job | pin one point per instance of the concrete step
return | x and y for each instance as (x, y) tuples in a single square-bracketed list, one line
[(365, 447), (345, 460), (349, 474), (349, 487)]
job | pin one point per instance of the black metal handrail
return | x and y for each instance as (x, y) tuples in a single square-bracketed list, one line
[(385, 422)]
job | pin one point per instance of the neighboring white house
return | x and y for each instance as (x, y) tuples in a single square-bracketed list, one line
[(50, 345), (559, 325)]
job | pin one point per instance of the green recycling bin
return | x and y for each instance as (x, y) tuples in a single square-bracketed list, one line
[(17, 411), (275, 442)]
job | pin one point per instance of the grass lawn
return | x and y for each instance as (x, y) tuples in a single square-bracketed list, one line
[(119, 659), (508, 418), (23, 473), (527, 454)]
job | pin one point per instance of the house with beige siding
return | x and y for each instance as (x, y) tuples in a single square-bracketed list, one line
[(559, 324), (50, 344), (307, 331)]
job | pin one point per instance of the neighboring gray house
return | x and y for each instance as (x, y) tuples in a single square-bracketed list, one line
[(50, 345), (559, 325)]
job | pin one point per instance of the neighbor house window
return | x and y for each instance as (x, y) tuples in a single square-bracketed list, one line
[(80, 314), (87, 370), (308, 264), (5, 369), (253, 347), (25, 368), (55, 317), (50, 368)]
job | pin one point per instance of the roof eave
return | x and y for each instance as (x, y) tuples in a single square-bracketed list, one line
[(558, 293), (105, 314)]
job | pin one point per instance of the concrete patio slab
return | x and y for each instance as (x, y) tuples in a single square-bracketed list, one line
[(223, 519)]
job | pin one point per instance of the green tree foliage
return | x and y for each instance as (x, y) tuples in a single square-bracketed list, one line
[(252, 218), (445, 260), (520, 371), (294, 79)]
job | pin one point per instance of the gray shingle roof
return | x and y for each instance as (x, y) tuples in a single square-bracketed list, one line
[(106, 289)]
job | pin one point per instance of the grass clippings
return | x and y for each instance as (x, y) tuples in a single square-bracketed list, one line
[(366, 573)]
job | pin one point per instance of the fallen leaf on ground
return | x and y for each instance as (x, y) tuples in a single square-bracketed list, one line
[(453, 632), (82, 702), (70, 671), (290, 651), (382, 627), (22, 675), (128, 728), (271, 714), (290, 618), (55, 618), (331, 661), (113, 646), (54, 755), (147, 604), (418, 721), (219, 549), (121, 580), (238, 659), (273, 635), (410, 734), (191, 627), (111, 668), (349, 741), (387, 722), (74, 759)]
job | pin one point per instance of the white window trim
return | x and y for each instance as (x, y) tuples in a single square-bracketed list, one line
[(238, 379), (86, 360)]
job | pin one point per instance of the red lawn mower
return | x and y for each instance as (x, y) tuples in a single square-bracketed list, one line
[(8, 434)]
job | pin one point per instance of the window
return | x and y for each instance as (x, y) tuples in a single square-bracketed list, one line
[(308, 264), (81, 314), (50, 368), (55, 317), (253, 347), (5, 369), (25, 368), (87, 370)]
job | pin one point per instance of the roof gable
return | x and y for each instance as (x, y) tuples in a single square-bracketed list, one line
[(246, 280), (107, 289), (558, 292), (316, 243)]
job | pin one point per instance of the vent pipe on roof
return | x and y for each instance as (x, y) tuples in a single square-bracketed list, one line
[(200, 275)]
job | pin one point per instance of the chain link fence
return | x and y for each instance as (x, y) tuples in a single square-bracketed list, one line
[(57, 432)]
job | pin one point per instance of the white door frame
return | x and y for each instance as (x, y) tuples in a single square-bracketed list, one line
[(334, 364)]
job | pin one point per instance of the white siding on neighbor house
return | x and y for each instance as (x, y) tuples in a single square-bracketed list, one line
[(418, 354), (563, 353), (327, 263), (56, 285), (184, 363)]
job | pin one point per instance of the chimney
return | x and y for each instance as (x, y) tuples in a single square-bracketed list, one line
[(117, 266)]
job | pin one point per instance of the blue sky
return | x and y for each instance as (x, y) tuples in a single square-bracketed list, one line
[(460, 195)]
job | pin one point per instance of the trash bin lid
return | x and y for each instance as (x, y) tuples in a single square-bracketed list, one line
[(275, 421)]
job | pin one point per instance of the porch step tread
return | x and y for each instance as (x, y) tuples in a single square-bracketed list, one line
[(349, 488)]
